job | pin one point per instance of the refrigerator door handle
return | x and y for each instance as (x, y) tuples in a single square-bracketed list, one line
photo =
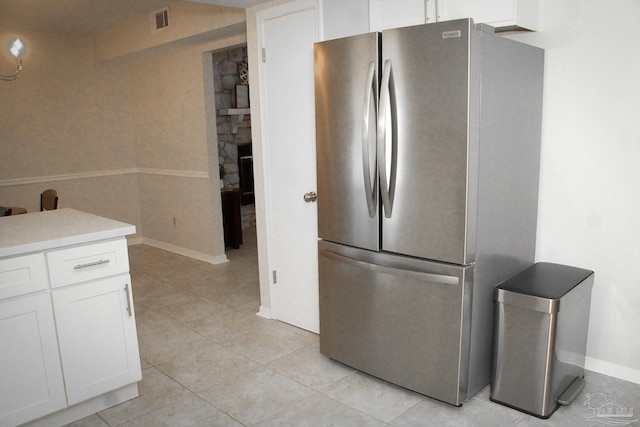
[(421, 275), (387, 102), (370, 185)]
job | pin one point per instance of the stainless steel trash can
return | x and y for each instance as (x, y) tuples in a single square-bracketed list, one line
[(540, 338)]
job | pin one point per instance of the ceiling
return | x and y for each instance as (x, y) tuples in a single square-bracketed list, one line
[(85, 16)]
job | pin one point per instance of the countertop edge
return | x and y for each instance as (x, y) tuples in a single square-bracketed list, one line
[(65, 235), (68, 241)]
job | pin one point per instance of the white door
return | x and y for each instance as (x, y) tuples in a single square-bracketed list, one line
[(286, 35)]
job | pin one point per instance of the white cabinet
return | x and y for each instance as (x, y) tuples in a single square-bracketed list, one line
[(31, 382), (22, 275), (384, 14), (344, 18), (93, 304), (97, 337), (67, 333), (501, 14)]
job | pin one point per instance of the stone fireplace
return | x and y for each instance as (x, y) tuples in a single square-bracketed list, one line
[(233, 122)]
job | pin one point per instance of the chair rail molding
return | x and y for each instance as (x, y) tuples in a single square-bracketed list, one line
[(104, 173)]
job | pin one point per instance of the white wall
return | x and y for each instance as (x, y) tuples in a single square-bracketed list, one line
[(589, 200)]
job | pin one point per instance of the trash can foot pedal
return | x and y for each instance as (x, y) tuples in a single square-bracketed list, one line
[(572, 392)]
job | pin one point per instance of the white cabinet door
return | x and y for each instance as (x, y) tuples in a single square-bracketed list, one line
[(497, 13), (344, 18), (31, 382), (385, 14), (97, 336)]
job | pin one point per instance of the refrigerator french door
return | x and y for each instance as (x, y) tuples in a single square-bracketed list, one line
[(428, 155), (418, 141)]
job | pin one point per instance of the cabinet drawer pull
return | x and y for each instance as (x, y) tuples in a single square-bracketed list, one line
[(91, 264)]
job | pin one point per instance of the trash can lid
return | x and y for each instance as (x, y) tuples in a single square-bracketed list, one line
[(546, 280)]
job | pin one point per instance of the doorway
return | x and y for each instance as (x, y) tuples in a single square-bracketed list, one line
[(233, 127)]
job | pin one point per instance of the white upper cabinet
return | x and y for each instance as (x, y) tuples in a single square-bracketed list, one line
[(501, 14), (342, 18), (384, 14)]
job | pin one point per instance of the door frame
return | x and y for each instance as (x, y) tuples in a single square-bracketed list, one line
[(256, 17)]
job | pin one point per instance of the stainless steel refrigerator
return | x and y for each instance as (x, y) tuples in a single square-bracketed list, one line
[(428, 142)]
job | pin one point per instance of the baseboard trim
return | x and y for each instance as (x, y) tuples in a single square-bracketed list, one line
[(264, 312), (134, 241), (612, 370), (86, 408), (181, 251)]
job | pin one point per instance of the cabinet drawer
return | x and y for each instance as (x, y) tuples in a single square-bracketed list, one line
[(23, 275), (89, 262)]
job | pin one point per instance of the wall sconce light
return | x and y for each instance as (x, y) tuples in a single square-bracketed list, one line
[(16, 48)]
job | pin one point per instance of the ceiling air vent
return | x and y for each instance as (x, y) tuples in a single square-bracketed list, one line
[(160, 19)]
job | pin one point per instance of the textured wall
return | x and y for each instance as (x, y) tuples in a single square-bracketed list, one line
[(168, 111), (65, 113), (186, 199), (170, 128), (112, 196), (66, 124)]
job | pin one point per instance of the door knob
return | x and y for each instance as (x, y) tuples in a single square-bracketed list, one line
[(311, 196)]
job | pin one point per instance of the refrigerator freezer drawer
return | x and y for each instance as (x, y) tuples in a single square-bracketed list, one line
[(400, 319)]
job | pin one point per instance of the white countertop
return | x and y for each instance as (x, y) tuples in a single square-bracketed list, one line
[(39, 231)]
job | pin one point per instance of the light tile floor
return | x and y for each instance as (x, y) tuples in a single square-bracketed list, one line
[(208, 360)]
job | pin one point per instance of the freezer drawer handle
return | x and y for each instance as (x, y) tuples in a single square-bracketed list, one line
[(370, 189), (421, 275)]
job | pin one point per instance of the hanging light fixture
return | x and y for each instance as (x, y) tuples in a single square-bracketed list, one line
[(16, 48)]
